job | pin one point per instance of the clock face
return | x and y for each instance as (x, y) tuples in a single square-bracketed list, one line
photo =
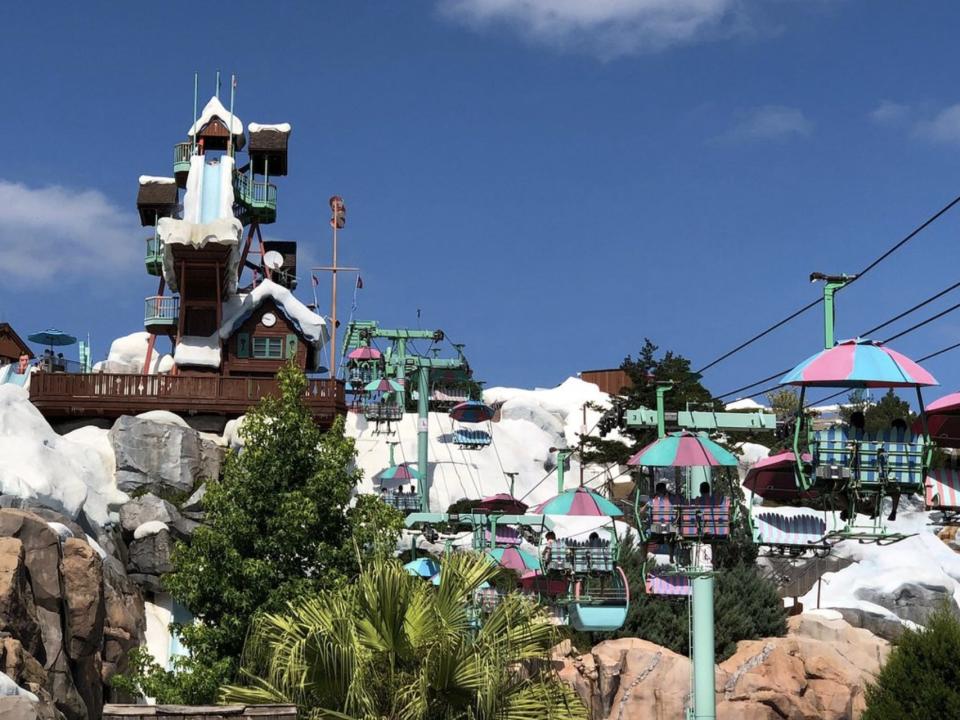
[(268, 319)]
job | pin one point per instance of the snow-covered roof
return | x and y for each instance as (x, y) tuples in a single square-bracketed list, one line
[(241, 306), (214, 108), (745, 404), (279, 127), (198, 350), (153, 180)]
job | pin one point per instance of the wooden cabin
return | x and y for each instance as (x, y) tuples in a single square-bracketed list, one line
[(264, 342), (268, 148), (156, 198), (11, 346)]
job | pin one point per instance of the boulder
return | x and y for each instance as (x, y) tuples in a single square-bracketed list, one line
[(883, 626), (211, 459), (19, 707), (911, 601), (18, 613), (151, 509), (42, 554), (150, 555), (161, 457), (194, 503), (82, 573), (19, 665), (818, 671), (124, 621)]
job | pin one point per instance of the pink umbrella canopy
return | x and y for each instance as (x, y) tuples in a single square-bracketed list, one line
[(364, 353), (859, 363), (502, 502), (943, 421), (683, 449), (580, 502), (773, 478), (515, 559)]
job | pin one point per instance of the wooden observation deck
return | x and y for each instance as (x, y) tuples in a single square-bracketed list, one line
[(75, 395)]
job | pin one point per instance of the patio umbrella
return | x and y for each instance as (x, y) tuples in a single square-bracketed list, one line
[(858, 363), (52, 337), (364, 353), (424, 567), (943, 421), (515, 559), (502, 502), (471, 411), (773, 478), (580, 502), (401, 472), (384, 385), (683, 449)]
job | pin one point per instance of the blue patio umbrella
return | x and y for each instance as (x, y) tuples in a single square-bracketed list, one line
[(472, 411), (52, 337), (424, 567)]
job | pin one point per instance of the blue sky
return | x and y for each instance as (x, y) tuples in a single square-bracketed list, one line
[(549, 181)]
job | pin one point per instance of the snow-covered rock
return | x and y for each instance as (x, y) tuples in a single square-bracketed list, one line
[(37, 463), (160, 456), (128, 353), (149, 528)]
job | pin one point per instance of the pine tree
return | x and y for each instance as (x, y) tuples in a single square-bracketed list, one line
[(921, 678)]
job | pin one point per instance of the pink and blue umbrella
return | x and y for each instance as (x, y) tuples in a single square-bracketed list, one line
[(683, 449), (401, 472), (859, 363), (943, 421), (471, 411), (364, 353), (515, 559), (580, 502), (774, 478), (502, 502), (384, 385)]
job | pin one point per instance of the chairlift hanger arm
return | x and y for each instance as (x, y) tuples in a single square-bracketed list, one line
[(704, 420)]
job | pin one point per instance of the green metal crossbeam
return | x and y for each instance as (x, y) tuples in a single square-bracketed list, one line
[(704, 420)]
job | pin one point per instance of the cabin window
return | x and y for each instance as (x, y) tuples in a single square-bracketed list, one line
[(268, 348)]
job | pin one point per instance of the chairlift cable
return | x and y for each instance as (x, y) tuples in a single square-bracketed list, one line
[(903, 241), (884, 324)]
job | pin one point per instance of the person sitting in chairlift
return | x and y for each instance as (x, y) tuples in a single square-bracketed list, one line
[(899, 425), (546, 554), (706, 498)]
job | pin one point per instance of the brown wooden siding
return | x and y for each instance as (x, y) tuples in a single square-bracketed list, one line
[(253, 328), (609, 381)]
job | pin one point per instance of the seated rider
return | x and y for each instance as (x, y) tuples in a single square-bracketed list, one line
[(546, 555)]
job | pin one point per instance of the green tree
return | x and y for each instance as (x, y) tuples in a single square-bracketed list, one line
[(277, 528), (921, 678), (389, 646), (645, 372)]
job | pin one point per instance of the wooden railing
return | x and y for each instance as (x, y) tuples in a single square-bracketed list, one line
[(109, 394)]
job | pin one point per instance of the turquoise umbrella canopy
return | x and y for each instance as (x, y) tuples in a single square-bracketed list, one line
[(580, 502), (683, 449)]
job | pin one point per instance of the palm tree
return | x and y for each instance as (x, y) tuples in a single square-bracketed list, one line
[(390, 646)]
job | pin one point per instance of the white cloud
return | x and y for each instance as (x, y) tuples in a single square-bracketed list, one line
[(56, 231), (944, 127), (889, 113), (770, 122), (608, 28)]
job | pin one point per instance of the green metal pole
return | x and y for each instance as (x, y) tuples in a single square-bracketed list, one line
[(562, 456), (401, 363), (704, 690), (829, 314), (661, 420), (423, 424)]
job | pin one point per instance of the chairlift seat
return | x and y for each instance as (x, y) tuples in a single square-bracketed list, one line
[(797, 531), (943, 489), (471, 438), (663, 516), (710, 519), (671, 585)]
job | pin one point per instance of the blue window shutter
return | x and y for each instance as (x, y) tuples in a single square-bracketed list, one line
[(243, 345)]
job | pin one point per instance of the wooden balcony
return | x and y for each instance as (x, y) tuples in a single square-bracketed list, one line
[(66, 395)]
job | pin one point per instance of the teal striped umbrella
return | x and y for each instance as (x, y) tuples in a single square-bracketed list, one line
[(683, 449), (403, 471), (513, 558), (384, 385), (580, 502)]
